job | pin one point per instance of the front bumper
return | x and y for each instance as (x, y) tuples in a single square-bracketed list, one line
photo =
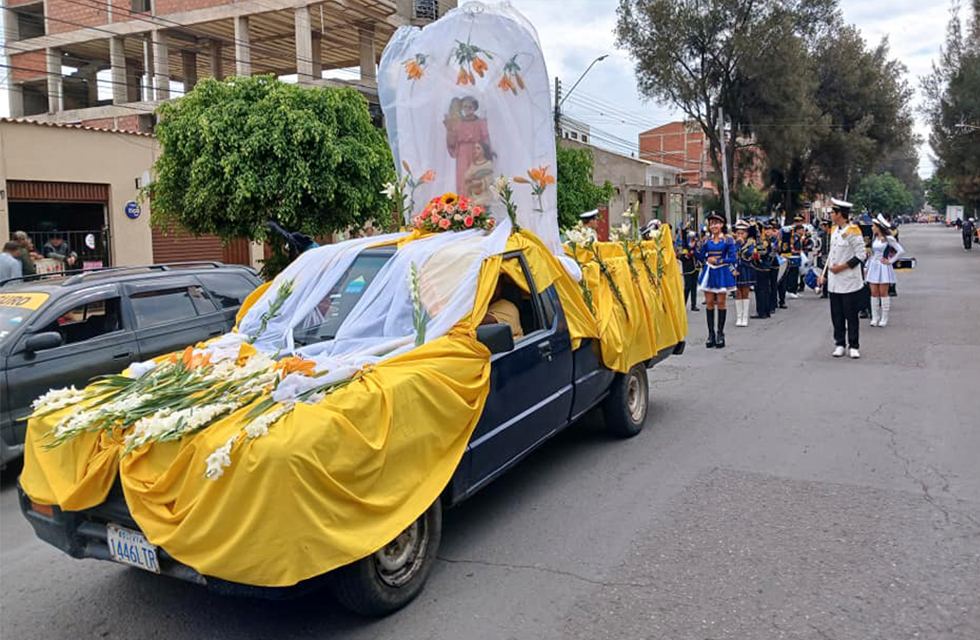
[(82, 534)]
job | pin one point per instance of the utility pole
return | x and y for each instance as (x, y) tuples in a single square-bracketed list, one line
[(724, 164), (558, 102)]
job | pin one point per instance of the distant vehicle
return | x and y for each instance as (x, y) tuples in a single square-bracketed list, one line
[(63, 330)]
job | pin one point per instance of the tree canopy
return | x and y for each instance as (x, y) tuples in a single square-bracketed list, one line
[(883, 193), (952, 107), (240, 152), (801, 91), (699, 55), (576, 191)]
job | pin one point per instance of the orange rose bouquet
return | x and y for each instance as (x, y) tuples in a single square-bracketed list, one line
[(449, 212)]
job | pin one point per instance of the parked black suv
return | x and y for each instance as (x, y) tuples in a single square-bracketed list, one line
[(63, 330)]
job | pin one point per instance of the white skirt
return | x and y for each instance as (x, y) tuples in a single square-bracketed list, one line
[(879, 273)]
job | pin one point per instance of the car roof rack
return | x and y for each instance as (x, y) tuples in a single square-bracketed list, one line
[(75, 276)]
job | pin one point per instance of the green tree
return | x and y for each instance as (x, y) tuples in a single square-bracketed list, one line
[(938, 193), (749, 201), (952, 108), (883, 193), (238, 153), (577, 192), (699, 55)]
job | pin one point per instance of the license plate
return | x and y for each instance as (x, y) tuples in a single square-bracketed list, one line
[(132, 548)]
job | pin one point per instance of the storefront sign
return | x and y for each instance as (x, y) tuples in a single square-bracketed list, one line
[(133, 209), (90, 240)]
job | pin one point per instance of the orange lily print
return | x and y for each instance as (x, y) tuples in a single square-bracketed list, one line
[(511, 80), (415, 67), (471, 59)]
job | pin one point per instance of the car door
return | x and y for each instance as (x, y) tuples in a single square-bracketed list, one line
[(171, 313), (228, 289), (530, 387), (97, 341)]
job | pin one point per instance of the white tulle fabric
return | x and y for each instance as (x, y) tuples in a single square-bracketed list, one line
[(519, 123)]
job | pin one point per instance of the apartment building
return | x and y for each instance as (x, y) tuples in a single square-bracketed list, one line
[(110, 63)]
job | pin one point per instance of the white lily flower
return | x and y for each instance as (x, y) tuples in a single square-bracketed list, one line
[(500, 184), (389, 189)]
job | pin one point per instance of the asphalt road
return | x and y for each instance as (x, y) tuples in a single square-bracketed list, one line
[(776, 493)]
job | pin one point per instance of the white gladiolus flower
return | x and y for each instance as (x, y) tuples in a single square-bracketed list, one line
[(580, 235), (389, 189), (219, 460), (260, 426), (57, 399), (500, 184)]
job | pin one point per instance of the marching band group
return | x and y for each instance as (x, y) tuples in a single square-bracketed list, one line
[(850, 265)]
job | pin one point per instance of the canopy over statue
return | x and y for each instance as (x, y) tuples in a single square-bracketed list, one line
[(467, 98)]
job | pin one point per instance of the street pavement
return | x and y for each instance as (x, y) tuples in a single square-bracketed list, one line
[(775, 493)]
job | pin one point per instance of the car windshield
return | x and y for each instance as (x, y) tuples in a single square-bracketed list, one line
[(330, 313), (16, 308)]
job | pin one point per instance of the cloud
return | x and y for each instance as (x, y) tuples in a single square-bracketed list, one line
[(575, 32)]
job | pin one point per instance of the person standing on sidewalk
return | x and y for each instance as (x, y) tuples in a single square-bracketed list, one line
[(845, 279)]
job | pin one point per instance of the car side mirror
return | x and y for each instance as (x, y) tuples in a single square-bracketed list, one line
[(42, 341), (498, 338)]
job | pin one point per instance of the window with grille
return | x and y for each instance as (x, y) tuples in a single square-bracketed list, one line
[(142, 6), (427, 9)]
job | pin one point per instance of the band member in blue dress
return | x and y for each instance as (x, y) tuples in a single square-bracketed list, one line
[(687, 250), (717, 254), (745, 275)]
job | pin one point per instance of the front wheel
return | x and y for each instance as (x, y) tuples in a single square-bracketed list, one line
[(390, 578), (625, 409)]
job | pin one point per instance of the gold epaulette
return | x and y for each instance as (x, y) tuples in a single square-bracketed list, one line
[(852, 229)]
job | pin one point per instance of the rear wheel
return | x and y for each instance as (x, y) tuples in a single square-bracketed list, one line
[(392, 577), (625, 409)]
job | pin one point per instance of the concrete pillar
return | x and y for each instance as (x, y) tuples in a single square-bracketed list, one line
[(56, 98), (317, 55), (304, 44), (132, 81), (188, 61), (369, 68), (117, 60), (217, 71), (161, 66), (243, 47), (147, 91), (91, 75)]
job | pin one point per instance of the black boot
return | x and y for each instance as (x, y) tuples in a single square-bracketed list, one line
[(720, 342), (710, 315)]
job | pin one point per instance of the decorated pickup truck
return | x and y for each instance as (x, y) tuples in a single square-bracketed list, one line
[(375, 381)]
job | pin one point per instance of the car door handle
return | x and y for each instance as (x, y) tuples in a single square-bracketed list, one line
[(125, 355), (216, 332), (544, 348)]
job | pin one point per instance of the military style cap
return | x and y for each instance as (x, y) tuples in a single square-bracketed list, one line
[(714, 215), (840, 204), (588, 215)]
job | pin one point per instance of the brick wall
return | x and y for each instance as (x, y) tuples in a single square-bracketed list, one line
[(100, 123), (84, 12), (164, 7), (128, 123), (29, 66)]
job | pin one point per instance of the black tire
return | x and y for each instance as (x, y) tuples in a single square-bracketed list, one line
[(389, 579), (625, 409)]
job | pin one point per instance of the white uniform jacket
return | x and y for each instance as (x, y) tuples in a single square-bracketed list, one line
[(846, 247)]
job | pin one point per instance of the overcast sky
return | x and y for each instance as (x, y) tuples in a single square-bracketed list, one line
[(575, 32)]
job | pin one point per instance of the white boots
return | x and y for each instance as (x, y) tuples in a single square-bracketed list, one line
[(741, 312), (879, 311)]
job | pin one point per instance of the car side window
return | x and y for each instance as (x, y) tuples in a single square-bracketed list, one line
[(153, 308), (510, 298), (228, 290), (88, 321)]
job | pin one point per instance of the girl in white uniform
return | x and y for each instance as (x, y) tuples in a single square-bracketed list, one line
[(884, 251)]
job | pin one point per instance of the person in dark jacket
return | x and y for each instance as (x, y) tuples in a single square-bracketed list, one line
[(56, 248), (687, 253)]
